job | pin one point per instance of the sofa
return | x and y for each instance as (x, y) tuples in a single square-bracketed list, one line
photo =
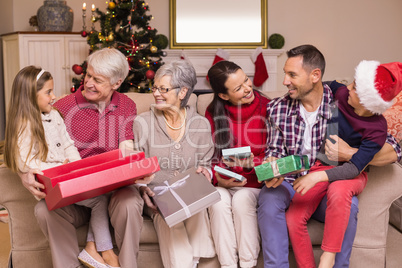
[(29, 247)]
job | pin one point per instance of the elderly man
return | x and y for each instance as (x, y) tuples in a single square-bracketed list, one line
[(98, 119)]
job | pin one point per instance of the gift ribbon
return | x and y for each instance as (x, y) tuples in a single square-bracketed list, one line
[(171, 188), (275, 168)]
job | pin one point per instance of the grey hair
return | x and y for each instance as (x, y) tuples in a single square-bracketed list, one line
[(182, 74), (110, 63)]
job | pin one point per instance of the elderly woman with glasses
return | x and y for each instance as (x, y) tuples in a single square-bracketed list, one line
[(181, 139)]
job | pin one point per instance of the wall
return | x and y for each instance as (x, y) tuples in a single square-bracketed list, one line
[(345, 31)]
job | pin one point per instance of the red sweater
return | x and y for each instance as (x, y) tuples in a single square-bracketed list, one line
[(248, 127)]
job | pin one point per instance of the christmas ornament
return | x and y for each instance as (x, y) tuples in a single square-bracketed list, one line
[(112, 5), (73, 89), (111, 37), (153, 49), (276, 41), (150, 74), (160, 41), (84, 34), (77, 69)]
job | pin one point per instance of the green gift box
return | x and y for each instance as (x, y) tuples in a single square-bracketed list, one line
[(291, 164)]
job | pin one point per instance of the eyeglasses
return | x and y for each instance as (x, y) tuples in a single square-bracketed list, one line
[(162, 89)]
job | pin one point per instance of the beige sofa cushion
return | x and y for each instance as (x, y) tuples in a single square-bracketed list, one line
[(143, 101)]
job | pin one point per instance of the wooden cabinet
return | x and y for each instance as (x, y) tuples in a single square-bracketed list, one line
[(54, 52)]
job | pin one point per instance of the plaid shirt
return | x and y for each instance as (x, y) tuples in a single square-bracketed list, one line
[(286, 128)]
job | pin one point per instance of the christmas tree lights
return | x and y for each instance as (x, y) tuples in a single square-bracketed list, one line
[(125, 26)]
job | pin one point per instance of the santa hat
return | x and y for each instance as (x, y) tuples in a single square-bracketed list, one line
[(378, 84)]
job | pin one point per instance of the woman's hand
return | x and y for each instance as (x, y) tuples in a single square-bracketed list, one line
[(146, 180), (237, 162), (146, 194), (230, 182), (204, 172), (29, 181), (306, 182)]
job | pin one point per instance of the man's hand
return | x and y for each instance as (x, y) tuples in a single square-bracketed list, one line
[(306, 182), (275, 182), (204, 172), (338, 151), (33, 186), (146, 194), (237, 162), (230, 182)]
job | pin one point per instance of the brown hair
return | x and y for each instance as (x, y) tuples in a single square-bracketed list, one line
[(24, 115)]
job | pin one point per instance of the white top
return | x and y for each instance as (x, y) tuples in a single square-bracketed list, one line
[(309, 120), (60, 145)]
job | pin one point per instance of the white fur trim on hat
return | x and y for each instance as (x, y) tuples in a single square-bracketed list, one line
[(369, 96)]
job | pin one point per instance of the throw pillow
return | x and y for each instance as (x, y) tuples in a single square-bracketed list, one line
[(394, 118)]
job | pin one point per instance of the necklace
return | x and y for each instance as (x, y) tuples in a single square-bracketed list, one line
[(176, 128)]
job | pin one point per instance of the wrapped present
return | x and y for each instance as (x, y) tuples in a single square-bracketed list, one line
[(93, 176), (183, 196), (239, 152), (229, 173), (288, 165)]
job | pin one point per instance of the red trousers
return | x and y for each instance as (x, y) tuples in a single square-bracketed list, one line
[(339, 194)]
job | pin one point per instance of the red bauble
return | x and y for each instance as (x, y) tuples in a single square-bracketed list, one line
[(73, 89), (150, 74), (77, 69), (84, 34)]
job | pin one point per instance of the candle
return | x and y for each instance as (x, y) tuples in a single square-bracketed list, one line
[(84, 7), (93, 7)]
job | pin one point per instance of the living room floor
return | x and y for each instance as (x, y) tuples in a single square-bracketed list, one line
[(394, 246)]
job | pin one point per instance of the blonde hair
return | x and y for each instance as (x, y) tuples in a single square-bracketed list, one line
[(24, 113)]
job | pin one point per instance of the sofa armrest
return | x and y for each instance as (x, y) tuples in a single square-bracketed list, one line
[(384, 186), (25, 235)]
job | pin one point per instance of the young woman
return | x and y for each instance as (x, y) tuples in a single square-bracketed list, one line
[(36, 138), (237, 117)]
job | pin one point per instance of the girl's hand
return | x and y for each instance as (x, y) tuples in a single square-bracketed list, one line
[(229, 183), (306, 182), (66, 161), (237, 162), (33, 186), (146, 180), (204, 172)]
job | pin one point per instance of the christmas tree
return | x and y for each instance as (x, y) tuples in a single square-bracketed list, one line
[(125, 26)]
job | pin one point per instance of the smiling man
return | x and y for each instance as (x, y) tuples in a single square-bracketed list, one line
[(297, 123), (99, 119)]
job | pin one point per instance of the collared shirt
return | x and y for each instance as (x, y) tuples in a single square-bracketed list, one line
[(286, 128), (96, 132)]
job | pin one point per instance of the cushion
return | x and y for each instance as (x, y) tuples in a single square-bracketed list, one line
[(144, 100), (394, 118)]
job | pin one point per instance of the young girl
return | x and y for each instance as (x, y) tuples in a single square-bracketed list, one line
[(36, 138), (237, 117)]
